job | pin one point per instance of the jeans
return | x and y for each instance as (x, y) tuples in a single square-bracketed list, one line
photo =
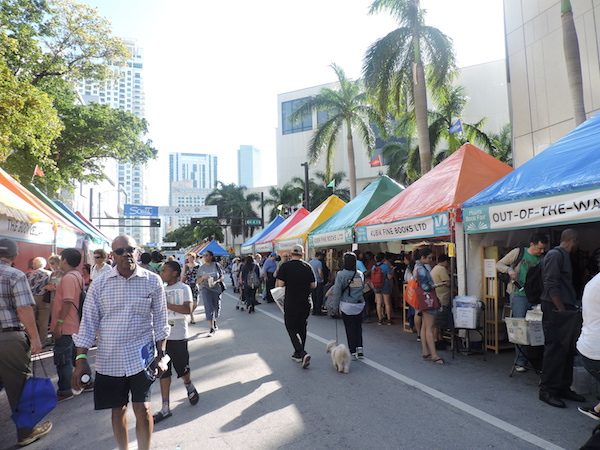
[(561, 330), (519, 306), (296, 324), (353, 325), (63, 360), (270, 285), (317, 298)]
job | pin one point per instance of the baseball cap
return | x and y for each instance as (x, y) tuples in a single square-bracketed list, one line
[(273, 254), (8, 248), (297, 250)]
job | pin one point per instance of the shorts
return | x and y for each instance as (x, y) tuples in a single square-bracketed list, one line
[(386, 289), (113, 392), (180, 358)]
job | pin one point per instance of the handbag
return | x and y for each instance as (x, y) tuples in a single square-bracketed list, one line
[(427, 300), (37, 399), (411, 293)]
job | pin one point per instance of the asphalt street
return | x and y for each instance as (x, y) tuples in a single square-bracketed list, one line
[(253, 396)]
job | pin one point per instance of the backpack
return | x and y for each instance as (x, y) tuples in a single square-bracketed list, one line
[(82, 294), (534, 284), (377, 276), (252, 279), (505, 277)]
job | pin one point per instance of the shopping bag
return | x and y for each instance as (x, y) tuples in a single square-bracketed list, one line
[(37, 400), (427, 300), (278, 294), (411, 293)]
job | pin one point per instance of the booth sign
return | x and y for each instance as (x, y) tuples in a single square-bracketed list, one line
[(416, 228), (38, 233), (339, 237), (288, 244), (264, 247), (582, 206), (247, 250)]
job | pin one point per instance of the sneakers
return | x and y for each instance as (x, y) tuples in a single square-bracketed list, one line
[(589, 411), (40, 430), (380, 322), (211, 332), (520, 369), (389, 322), (61, 397), (360, 353), (305, 361), (296, 357), (354, 357)]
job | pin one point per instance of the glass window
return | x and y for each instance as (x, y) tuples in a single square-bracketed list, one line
[(324, 116), (302, 124)]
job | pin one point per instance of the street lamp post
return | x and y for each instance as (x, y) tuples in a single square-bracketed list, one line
[(306, 194)]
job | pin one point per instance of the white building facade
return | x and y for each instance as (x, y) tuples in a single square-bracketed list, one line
[(248, 166)]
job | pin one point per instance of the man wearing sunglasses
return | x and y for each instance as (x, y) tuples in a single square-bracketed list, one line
[(126, 308), (100, 265)]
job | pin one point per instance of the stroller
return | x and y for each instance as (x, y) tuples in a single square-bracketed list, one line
[(241, 304)]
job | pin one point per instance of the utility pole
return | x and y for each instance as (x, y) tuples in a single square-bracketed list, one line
[(306, 194), (262, 207)]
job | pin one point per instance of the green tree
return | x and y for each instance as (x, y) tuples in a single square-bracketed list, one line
[(208, 230), (394, 66), (402, 157), (573, 60), (28, 121), (502, 145), (287, 197), (318, 190), (347, 106), (234, 204), (185, 236)]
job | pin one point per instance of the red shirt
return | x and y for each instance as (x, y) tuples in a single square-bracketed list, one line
[(69, 289)]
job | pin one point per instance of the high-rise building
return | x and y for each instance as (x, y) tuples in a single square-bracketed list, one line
[(248, 166), (192, 176), (125, 92)]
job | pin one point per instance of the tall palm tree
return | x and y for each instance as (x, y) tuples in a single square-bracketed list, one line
[(233, 204), (285, 198), (394, 66), (346, 106), (402, 159), (502, 145), (573, 60), (209, 229), (318, 190)]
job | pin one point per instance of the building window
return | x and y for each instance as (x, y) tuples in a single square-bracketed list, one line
[(302, 124), (324, 116)]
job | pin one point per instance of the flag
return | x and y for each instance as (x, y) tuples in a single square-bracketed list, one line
[(456, 127), (37, 172), (377, 161), (331, 184)]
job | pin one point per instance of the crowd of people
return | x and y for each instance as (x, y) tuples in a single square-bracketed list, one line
[(135, 307)]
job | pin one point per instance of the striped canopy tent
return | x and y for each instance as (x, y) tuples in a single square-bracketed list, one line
[(248, 246), (339, 229), (298, 234), (265, 244), (215, 248)]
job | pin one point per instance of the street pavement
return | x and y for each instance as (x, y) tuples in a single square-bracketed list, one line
[(253, 396)]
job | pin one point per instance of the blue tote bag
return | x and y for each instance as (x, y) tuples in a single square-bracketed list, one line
[(37, 400)]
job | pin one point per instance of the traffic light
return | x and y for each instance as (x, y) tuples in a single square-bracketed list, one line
[(155, 223), (196, 221)]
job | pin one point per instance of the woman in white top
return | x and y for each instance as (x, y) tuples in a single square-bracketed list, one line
[(100, 265), (588, 343)]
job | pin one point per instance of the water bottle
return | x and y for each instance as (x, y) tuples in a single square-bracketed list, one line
[(85, 379), (178, 447)]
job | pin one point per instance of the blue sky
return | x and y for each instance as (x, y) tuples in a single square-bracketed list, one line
[(213, 69)]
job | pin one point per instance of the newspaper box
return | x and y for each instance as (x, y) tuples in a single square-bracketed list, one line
[(524, 332), (466, 312)]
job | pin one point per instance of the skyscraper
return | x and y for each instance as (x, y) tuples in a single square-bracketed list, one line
[(127, 93), (192, 176), (248, 166)]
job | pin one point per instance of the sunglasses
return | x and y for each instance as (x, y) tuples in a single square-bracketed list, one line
[(122, 250), (98, 257)]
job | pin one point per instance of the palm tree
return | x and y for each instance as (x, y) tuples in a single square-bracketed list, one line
[(347, 106), (233, 204), (402, 157), (502, 145), (318, 190), (285, 198), (573, 60), (209, 229), (394, 66)]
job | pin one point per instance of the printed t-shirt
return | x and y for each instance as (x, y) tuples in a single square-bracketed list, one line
[(178, 294)]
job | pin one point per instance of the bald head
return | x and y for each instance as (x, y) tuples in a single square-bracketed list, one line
[(568, 239), (125, 253), (123, 241)]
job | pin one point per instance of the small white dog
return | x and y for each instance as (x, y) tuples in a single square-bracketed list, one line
[(340, 356)]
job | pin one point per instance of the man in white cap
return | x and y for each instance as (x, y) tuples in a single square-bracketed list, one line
[(298, 279), (16, 313)]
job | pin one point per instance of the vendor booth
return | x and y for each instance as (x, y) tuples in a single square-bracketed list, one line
[(265, 243), (557, 189), (298, 234), (215, 248), (339, 229), (430, 208), (248, 246)]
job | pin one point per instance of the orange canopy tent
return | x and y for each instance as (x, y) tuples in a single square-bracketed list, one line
[(266, 243), (423, 209)]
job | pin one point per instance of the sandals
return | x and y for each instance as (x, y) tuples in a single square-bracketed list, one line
[(426, 357), (159, 416), (193, 397), (439, 361)]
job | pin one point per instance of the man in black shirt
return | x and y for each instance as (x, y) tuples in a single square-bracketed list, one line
[(298, 278)]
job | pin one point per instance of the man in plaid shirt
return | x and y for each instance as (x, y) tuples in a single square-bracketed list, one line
[(126, 309), (16, 312)]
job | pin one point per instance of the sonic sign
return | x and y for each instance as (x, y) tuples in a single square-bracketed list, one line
[(415, 228)]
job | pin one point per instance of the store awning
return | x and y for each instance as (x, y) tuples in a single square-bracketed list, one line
[(265, 244), (421, 210), (248, 246), (339, 229), (299, 232), (561, 185), (214, 247)]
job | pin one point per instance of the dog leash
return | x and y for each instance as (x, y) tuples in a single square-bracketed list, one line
[(336, 331)]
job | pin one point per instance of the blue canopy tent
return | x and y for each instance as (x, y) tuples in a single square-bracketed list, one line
[(248, 246), (561, 185), (214, 247)]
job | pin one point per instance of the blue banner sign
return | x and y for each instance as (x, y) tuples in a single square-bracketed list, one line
[(140, 211)]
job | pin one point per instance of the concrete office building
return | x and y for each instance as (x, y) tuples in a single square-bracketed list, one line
[(540, 99), (248, 166), (127, 93), (485, 86), (192, 176)]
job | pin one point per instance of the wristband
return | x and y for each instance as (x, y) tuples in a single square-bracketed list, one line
[(81, 356), (60, 321)]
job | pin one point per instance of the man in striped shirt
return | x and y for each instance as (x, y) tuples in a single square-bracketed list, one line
[(126, 309)]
